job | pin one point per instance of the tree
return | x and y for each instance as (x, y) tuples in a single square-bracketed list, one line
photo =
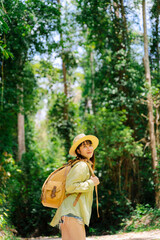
[(150, 110), (155, 64), (30, 22), (154, 53), (21, 129), (64, 49)]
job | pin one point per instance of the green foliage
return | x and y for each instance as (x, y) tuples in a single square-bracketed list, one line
[(24, 204), (28, 20), (28, 23), (45, 70), (7, 169), (7, 130), (22, 182), (27, 105), (115, 137), (143, 218), (4, 29), (65, 128), (5, 229), (19, 84), (116, 158), (102, 39), (3, 26)]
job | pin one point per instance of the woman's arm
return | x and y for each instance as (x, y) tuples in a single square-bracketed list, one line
[(78, 179)]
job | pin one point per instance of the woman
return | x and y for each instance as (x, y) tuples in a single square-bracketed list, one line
[(71, 217)]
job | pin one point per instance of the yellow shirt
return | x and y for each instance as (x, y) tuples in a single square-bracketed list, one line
[(78, 181)]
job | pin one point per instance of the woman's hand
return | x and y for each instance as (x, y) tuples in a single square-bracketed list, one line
[(95, 180)]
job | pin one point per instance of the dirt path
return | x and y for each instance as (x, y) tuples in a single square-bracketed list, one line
[(149, 235)]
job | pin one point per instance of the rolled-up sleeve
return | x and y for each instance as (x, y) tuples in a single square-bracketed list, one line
[(78, 179)]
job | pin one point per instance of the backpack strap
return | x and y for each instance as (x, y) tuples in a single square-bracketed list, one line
[(96, 189), (76, 200)]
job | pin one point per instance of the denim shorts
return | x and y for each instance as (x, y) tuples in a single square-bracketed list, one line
[(80, 220)]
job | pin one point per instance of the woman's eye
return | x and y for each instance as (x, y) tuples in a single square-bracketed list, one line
[(89, 145)]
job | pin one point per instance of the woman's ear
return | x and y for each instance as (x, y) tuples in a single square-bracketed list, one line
[(78, 151)]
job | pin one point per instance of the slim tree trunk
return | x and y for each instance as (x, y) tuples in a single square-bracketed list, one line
[(21, 130), (66, 132), (150, 110), (2, 91), (119, 173), (65, 88), (157, 124), (125, 29), (116, 8), (157, 36), (92, 79), (21, 136), (64, 74)]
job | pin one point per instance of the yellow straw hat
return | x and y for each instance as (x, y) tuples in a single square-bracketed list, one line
[(81, 138)]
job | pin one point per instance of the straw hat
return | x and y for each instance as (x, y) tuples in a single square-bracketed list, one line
[(81, 138)]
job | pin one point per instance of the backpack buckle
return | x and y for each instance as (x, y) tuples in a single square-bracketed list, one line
[(53, 193)]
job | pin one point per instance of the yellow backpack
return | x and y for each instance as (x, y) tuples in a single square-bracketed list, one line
[(53, 189)]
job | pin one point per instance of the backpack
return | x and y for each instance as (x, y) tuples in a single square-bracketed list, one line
[(53, 189)]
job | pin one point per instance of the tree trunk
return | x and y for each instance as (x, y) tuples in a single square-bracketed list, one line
[(64, 73), (116, 9), (66, 131), (2, 80), (150, 110), (92, 79), (157, 36), (157, 125), (65, 89), (21, 130), (119, 173), (125, 29)]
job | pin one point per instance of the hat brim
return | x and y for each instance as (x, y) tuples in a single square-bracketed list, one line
[(93, 139)]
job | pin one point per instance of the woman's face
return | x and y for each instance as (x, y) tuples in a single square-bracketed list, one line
[(86, 149)]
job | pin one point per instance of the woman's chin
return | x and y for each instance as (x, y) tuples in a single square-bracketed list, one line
[(89, 156)]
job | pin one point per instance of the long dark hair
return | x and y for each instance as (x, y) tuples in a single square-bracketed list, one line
[(79, 156)]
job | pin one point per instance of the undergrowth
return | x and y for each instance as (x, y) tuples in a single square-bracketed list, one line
[(143, 218), (6, 231)]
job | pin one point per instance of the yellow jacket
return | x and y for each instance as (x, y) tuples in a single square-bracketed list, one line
[(78, 181)]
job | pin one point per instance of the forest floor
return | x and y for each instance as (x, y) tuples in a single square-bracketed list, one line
[(147, 235)]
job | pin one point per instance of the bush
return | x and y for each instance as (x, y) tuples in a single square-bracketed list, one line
[(144, 217), (24, 191), (6, 231)]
